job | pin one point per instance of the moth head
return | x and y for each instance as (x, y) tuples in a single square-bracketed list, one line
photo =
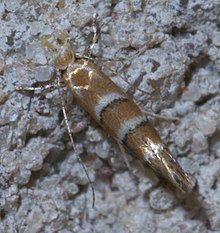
[(65, 57)]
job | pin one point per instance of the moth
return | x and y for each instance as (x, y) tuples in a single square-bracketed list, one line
[(120, 117)]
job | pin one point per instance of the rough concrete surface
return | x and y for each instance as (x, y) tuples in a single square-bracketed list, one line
[(166, 54)]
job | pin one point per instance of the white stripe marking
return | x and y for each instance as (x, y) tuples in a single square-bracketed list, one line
[(105, 101), (130, 125)]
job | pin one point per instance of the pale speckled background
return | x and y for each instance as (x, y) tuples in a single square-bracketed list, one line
[(43, 187)]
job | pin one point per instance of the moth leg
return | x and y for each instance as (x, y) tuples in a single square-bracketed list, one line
[(168, 118), (124, 156), (71, 138)]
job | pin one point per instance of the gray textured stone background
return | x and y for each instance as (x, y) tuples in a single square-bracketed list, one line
[(42, 186)]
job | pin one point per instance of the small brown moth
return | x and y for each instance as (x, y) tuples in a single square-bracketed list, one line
[(120, 117)]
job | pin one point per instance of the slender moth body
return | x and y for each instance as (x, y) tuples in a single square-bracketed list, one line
[(120, 117)]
